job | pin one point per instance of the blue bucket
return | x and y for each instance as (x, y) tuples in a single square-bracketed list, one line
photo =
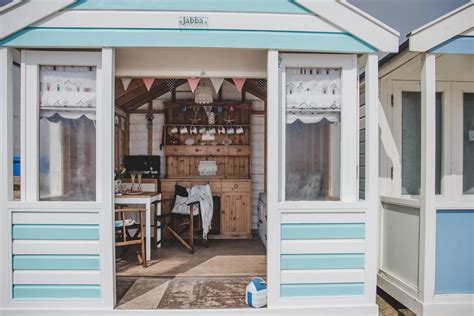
[(16, 166)]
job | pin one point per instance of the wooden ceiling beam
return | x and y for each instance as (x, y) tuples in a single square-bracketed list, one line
[(119, 90)]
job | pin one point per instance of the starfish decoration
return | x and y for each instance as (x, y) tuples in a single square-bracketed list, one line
[(229, 121), (195, 119)]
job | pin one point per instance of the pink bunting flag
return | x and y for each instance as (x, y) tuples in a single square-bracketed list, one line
[(193, 83), (239, 83), (148, 82)]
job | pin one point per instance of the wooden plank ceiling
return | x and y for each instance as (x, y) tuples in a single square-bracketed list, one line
[(137, 95)]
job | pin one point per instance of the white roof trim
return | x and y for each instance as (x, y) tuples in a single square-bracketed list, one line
[(443, 28), (25, 13), (356, 22)]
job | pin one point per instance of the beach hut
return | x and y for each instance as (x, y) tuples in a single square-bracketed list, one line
[(426, 167), (57, 235)]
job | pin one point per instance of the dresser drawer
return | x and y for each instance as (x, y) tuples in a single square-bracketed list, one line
[(238, 151), (216, 150), (235, 186)]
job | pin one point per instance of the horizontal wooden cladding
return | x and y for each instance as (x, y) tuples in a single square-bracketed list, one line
[(56, 277), (56, 292), (315, 290), (322, 231), (55, 232), (322, 246), (323, 217), (322, 261), (72, 247), (236, 186), (56, 262), (197, 150), (322, 276), (227, 166), (54, 218)]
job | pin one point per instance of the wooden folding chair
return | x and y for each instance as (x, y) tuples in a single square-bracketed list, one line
[(123, 231), (181, 223)]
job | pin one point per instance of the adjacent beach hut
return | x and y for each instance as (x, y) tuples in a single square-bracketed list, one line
[(58, 249), (426, 167)]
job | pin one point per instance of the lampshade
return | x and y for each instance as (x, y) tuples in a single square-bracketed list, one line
[(203, 94)]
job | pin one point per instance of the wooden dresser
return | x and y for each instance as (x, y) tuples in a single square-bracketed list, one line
[(232, 182)]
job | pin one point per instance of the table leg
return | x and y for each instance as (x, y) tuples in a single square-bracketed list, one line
[(148, 232), (158, 231)]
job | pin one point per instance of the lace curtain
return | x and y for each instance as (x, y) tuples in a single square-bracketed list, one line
[(68, 91), (313, 94)]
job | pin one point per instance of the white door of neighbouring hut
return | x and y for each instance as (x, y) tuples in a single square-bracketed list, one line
[(59, 251)]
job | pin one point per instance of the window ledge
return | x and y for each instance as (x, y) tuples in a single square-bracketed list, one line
[(403, 201)]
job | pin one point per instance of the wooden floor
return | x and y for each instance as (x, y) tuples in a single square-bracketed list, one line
[(213, 277)]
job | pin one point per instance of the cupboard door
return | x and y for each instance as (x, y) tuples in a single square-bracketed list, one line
[(235, 214)]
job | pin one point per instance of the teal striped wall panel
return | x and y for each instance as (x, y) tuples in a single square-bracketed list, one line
[(56, 262), (56, 292), (322, 261), (209, 38), (321, 289), (56, 232), (323, 231)]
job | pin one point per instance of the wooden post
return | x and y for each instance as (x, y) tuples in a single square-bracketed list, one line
[(428, 166), (149, 118), (127, 135), (107, 216), (6, 174), (372, 173)]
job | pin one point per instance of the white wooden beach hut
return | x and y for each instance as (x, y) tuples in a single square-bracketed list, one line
[(426, 168), (57, 251)]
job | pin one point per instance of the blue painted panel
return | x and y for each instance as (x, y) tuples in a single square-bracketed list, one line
[(56, 292), (270, 6), (56, 232), (457, 45), (322, 289), (454, 252), (56, 262), (256, 39), (322, 261), (322, 231)]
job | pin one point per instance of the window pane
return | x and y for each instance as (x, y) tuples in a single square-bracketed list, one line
[(313, 134), (468, 144), (67, 162), (411, 143)]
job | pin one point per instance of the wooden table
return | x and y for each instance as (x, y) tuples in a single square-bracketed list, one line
[(146, 199)]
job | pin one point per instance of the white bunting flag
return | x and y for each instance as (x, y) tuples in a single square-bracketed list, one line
[(126, 83), (217, 83)]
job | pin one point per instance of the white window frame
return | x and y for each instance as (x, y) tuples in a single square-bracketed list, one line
[(458, 89), (32, 60), (349, 159), (398, 87)]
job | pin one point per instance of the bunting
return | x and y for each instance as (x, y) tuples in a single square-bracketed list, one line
[(193, 82), (217, 83), (239, 83), (261, 84), (148, 82), (171, 83), (126, 83)]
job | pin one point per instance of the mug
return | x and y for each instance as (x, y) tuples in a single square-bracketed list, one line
[(239, 130), (193, 130), (183, 130), (230, 130), (212, 131), (202, 130), (174, 130), (221, 130)]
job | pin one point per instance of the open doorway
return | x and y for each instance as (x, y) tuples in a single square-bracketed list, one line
[(175, 134)]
